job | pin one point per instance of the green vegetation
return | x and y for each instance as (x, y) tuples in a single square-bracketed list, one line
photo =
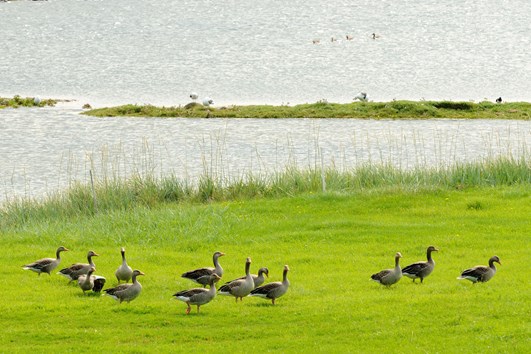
[(18, 101), (333, 241), (323, 109)]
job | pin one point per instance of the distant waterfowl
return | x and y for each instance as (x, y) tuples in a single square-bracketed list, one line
[(499, 100), (481, 273), (194, 96), (374, 36), (124, 272), (316, 41), (75, 270), (239, 287), (126, 292), (92, 282), (273, 290), (207, 101), (36, 101), (362, 96), (257, 279), (202, 275), (333, 39), (389, 277), (421, 269), (46, 265), (199, 296)]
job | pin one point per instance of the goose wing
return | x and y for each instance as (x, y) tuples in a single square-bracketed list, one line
[(39, 264), (476, 272), (380, 275), (415, 268), (198, 273), (118, 289), (190, 293), (265, 289)]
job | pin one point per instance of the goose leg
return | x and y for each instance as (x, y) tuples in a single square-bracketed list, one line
[(188, 309), (198, 308)]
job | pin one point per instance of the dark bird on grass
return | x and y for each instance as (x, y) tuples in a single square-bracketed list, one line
[(273, 291), (126, 292), (202, 275), (481, 274), (421, 269), (124, 271), (499, 100), (46, 265), (389, 277), (75, 270), (199, 296), (92, 282), (239, 287)]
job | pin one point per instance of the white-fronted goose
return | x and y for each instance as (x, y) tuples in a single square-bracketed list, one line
[(92, 282), (46, 265), (126, 292), (481, 273), (239, 287), (257, 279), (202, 275), (199, 296), (421, 269), (75, 270), (124, 272), (389, 277), (273, 290)]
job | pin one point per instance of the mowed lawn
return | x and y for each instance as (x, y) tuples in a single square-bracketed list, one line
[(332, 244)]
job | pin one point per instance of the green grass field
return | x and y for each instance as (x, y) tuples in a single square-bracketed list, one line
[(332, 242)]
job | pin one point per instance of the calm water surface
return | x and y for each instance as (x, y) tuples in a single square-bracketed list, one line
[(237, 52)]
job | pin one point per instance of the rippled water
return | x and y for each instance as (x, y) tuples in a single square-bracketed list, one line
[(115, 51)]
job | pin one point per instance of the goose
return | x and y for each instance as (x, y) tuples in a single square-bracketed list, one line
[(199, 296), (239, 287), (126, 292), (499, 100), (374, 36), (46, 265), (75, 270), (201, 275), (89, 282), (316, 41), (481, 273), (349, 37), (389, 277), (257, 279), (124, 272), (333, 39), (421, 269), (273, 290)]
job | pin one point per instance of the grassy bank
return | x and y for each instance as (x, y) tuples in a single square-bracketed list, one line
[(332, 242), (323, 109), (18, 101)]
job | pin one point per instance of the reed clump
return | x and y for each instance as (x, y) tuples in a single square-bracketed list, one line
[(18, 101), (397, 109), (148, 191)]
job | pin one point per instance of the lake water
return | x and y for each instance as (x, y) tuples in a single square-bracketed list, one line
[(239, 52)]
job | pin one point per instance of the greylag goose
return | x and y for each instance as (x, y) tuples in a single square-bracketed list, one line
[(46, 265), (389, 277), (126, 292), (124, 272), (89, 282), (202, 275), (421, 269), (273, 290), (75, 270), (199, 296), (257, 279), (239, 287), (481, 273)]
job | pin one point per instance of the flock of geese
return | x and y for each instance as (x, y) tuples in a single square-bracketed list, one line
[(348, 37), (248, 285), (420, 270)]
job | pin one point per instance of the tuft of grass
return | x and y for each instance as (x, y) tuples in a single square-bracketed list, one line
[(323, 109), (18, 101)]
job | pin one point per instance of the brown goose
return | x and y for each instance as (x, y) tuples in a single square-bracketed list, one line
[(89, 282), (75, 270), (421, 269), (126, 292), (273, 290), (202, 275), (199, 296), (480, 273), (389, 277), (239, 287), (124, 272), (46, 265), (257, 279)]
